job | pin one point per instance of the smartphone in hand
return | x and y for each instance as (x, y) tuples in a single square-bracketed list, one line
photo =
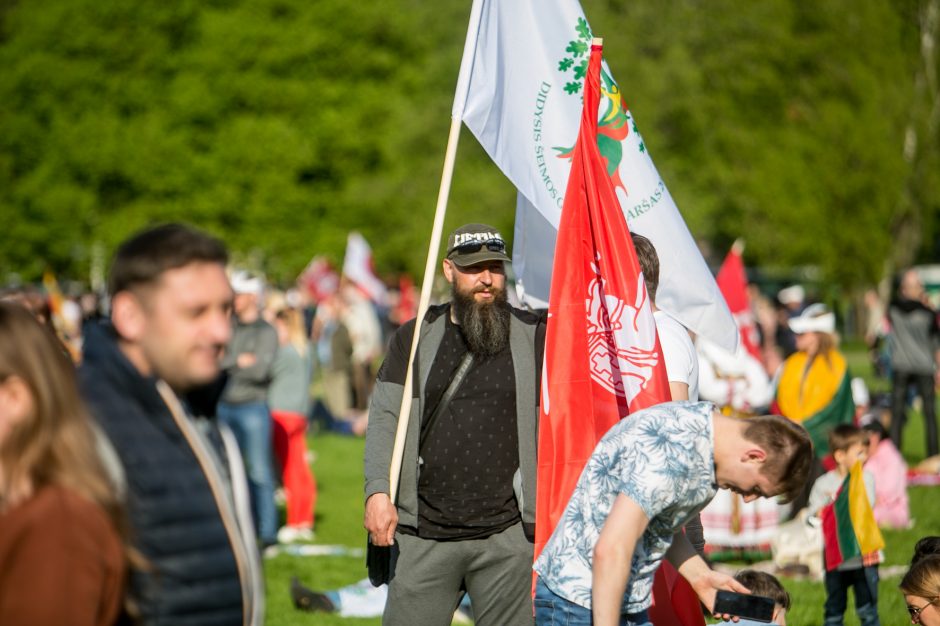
[(760, 608)]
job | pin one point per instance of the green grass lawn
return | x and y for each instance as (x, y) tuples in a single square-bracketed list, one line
[(338, 469)]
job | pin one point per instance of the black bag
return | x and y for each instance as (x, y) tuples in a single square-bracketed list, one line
[(381, 560)]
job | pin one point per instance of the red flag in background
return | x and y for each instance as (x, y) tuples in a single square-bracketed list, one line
[(407, 307), (732, 281), (319, 279), (359, 268), (602, 354)]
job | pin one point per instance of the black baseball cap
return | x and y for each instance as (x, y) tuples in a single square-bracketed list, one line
[(475, 243)]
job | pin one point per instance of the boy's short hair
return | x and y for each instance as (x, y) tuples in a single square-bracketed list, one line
[(141, 260), (649, 263), (789, 452), (844, 436), (764, 584)]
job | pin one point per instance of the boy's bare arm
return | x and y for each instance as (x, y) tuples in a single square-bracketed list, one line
[(613, 555)]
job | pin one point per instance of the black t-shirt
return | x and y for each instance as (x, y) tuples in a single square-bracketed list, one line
[(472, 452)]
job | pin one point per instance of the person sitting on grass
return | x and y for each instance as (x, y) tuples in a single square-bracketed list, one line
[(892, 509), (767, 585), (360, 599)]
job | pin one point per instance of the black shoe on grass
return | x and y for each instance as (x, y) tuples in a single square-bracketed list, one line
[(309, 600)]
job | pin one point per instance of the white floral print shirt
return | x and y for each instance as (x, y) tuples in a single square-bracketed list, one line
[(662, 458)]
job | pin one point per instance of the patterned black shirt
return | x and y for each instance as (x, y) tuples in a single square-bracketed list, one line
[(472, 452)]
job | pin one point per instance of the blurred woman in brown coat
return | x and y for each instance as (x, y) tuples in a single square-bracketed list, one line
[(62, 548)]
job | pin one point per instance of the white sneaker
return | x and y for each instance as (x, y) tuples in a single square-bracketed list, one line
[(293, 534)]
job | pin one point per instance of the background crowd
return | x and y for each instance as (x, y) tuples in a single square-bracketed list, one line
[(302, 359)]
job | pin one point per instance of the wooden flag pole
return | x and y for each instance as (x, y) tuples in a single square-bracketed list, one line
[(404, 412)]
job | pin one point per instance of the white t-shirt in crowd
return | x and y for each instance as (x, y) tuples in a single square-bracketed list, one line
[(679, 352)]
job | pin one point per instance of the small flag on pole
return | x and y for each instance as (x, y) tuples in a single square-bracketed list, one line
[(359, 268), (319, 279), (732, 281)]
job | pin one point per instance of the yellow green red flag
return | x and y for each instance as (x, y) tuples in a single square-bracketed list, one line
[(849, 527)]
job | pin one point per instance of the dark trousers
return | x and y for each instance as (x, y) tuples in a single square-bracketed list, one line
[(864, 584), (925, 388)]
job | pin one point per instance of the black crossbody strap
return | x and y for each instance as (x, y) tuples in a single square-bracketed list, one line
[(455, 382)]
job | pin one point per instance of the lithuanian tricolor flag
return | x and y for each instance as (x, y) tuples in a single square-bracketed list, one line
[(849, 527)]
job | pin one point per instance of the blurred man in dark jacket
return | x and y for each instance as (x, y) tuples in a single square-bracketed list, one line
[(183, 479)]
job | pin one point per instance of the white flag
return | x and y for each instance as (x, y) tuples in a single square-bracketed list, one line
[(358, 267), (519, 91)]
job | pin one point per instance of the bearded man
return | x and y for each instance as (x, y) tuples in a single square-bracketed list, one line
[(464, 520)]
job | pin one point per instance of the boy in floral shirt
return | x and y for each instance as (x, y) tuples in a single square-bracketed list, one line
[(647, 476)]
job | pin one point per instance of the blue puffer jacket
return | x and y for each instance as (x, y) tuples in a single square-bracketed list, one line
[(179, 518)]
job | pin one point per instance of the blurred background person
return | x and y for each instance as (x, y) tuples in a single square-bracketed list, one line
[(915, 355), (335, 350), (186, 493), (289, 401), (62, 528), (791, 301), (814, 385), (892, 509), (876, 329), (365, 332), (243, 407), (735, 381)]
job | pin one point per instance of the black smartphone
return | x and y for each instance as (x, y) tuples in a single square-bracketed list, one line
[(760, 608)]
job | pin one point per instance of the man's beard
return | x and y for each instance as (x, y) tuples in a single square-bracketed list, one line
[(485, 325)]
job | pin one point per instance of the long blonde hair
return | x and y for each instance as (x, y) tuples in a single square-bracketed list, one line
[(55, 445), (293, 321)]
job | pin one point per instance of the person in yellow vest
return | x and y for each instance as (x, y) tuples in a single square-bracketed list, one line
[(814, 384)]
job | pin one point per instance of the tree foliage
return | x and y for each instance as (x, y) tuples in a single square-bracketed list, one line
[(280, 125)]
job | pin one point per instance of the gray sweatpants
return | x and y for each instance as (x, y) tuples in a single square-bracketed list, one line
[(496, 571)]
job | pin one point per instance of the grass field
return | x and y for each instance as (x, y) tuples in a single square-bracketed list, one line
[(338, 468)]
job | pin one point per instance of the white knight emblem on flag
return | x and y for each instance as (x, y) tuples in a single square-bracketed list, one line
[(622, 358)]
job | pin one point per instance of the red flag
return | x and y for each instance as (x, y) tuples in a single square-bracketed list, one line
[(319, 279), (358, 267), (602, 353), (407, 306), (732, 281), (603, 359)]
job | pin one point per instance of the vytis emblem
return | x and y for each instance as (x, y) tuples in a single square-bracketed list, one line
[(621, 340)]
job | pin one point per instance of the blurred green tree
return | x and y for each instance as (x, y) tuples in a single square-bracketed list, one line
[(280, 125)]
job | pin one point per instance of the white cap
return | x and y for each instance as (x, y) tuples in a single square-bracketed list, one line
[(246, 282), (814, 318), (794, 294)]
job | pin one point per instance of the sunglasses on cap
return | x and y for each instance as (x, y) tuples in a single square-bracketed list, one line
[(469, 247)]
